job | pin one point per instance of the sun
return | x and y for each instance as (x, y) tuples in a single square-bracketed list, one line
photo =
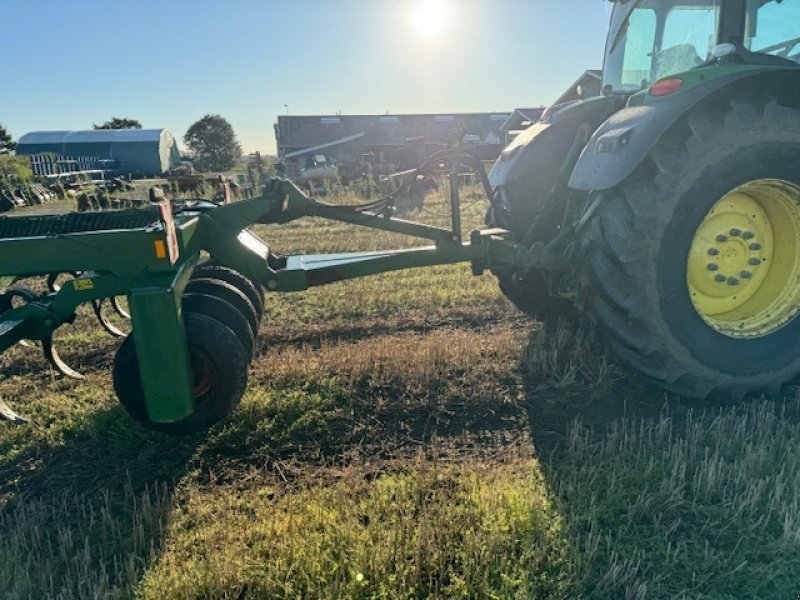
[(432, 18)]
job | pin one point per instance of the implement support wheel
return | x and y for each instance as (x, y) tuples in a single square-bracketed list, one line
[(230, 294), (254, 293), (225, 313), (219, 370)]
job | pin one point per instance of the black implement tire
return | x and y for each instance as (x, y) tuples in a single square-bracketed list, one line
[(217, 308), (221, 353), (229, 293), (254, 293), (641, 240)]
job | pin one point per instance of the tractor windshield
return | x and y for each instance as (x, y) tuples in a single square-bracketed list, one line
[(652, 39)]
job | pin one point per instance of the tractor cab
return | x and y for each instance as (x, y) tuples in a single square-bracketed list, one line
[(652, 39)]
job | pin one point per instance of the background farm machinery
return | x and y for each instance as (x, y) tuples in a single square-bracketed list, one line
[(98, 184)]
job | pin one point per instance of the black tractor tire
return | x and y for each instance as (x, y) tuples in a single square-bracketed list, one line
[(229, 293), (225, 313), (213, 270), (640, 241), (222, 352), (529, 292)]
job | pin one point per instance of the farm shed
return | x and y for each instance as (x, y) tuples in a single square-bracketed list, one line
[(588, 85), (397, 139), (137, 151), (520, 120)]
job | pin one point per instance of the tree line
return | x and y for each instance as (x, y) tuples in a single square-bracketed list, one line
[(211, 141)]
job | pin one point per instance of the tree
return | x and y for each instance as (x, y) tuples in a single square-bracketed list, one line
[(7, 145), (15, 168), (117, 123), (213, 143)]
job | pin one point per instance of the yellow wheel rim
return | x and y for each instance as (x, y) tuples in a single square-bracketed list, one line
[(744, 262)]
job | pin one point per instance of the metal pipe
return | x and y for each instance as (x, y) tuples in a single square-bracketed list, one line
[(455, 203)]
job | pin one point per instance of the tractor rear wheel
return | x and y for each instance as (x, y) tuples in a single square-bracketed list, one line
[(695, 261), (219, 367)]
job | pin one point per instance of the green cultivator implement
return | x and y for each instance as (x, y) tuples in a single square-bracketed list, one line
[(667, 208), (184, 366)]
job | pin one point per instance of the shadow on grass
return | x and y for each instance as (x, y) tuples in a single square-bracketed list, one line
[(662, 497), (343, 329), (292, 430), (85, 518)]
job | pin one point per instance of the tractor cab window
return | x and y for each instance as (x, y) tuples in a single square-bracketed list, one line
[(652, 39), (773, 27), (639, 41), (690, 33)]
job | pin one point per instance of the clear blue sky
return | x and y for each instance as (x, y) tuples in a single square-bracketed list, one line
[(168, 62)]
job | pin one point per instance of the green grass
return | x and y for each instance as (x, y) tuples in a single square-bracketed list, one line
[(421, 529), (404, 436)]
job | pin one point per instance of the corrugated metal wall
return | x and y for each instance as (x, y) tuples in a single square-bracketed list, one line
[(138, 151)]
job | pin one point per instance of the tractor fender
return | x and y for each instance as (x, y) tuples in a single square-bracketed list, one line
[(542, 148), (532, 173), (620, 144)]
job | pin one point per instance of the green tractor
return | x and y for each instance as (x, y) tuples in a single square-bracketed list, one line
[(668, 207)]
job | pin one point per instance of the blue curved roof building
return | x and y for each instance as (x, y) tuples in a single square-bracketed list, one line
[(137, 151)]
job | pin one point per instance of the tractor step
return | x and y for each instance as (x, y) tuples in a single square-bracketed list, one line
[(7, 414)]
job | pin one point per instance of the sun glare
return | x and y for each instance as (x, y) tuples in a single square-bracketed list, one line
[(432, 18)]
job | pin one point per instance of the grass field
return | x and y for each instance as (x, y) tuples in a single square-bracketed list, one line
[(404, 436)]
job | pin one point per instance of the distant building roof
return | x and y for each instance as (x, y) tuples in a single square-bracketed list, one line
[(520, 116), (533, 114), (591, 79), (92, 136)]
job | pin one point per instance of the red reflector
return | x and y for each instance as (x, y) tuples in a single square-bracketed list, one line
[(665, 87)]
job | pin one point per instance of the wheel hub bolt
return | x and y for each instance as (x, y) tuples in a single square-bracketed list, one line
[(722, 238), (755, 247), (755, 261), (736, 232), (720, 279), (746, 275), (713, 267), (713, 252), (748, 235), (733, 281)]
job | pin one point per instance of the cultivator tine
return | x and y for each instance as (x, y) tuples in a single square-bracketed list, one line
[(97, 305), (52, 280), (7, 414), (51, 355), (115, 303)]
